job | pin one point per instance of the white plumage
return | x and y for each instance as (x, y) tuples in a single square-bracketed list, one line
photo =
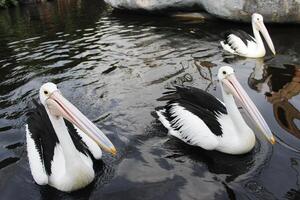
[(62, 144)]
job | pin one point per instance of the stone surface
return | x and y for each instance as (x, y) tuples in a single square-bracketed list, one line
[(152, 5), (239, 10)]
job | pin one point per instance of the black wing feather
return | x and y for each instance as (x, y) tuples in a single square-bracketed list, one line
[(196, 97), (198, 102), (241, 34), (77, 140), (43, 134)]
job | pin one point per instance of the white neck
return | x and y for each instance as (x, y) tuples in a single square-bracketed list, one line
[(70, 152), (259, 42), (234, 112)]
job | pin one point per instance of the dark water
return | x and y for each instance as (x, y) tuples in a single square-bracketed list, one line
[(113, 67)]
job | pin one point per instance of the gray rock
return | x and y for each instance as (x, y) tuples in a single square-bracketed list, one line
[(238, 10), (152, 5), (241, 10)]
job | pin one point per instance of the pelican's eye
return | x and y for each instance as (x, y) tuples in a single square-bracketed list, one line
[(224, 72), (45, 92)]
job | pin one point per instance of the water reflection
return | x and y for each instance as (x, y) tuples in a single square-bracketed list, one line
[(205, 66), (294, 193), (114, 67), (280, 83), (258, 80), (228, 167)]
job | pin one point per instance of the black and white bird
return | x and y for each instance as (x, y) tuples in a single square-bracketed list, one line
[(62, 143), (243, 44), (199, 119)]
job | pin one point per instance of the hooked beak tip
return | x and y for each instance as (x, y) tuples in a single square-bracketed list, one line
[(113, 151), (272, 140)]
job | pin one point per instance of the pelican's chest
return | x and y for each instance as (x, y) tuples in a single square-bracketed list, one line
[(237, 138), (69, 176), (256, 52), (238, 142)]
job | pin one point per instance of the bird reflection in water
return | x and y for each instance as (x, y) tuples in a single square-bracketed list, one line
[(280, 85), (259, 78), (232, 166)]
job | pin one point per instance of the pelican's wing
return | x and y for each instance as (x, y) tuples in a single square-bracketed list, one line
[(36, 162), (196, 97), (245, 37), (83, 142), (238, 42), (41, 141), (191, 115)]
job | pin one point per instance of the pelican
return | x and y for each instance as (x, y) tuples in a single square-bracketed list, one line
[(243, 44), (62, 143), (199, 119)]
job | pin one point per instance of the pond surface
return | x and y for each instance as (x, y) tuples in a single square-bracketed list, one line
[(113, 67)]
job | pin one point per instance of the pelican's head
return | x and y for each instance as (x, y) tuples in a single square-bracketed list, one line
[(224, 72), (231, 86), (258, 24), (58, 106), (45, 92), (257, 17)]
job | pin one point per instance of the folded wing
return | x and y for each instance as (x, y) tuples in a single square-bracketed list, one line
[(191, 115)]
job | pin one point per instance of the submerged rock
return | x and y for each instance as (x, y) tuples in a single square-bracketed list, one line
[(238, 10)]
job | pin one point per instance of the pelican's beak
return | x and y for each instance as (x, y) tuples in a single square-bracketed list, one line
[(266, 35), (231, 85), (59, 106)]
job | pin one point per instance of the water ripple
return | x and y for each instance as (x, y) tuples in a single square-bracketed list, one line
[(113, 68)]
